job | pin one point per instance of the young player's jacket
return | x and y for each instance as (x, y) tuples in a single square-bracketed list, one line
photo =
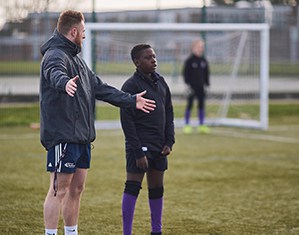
[(148, 130), (65, 118), (196, 71)]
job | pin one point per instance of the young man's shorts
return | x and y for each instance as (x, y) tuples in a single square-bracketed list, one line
[(155, 160), (68, 157)]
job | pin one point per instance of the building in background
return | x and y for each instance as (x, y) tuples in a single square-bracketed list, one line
[(22, 40)]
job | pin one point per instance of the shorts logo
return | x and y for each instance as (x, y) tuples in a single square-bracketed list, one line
[(69, 165), (50, 164)]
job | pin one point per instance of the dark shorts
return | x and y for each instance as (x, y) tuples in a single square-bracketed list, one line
[(155, 160), (75, 156)]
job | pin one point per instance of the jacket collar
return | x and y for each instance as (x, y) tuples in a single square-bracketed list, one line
[(60, 41), (153, 77)]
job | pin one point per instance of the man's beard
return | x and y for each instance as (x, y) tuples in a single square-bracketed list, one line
[(78, 40)]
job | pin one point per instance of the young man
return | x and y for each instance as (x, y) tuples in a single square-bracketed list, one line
[(196, 75), (68, 89), (149, 138)]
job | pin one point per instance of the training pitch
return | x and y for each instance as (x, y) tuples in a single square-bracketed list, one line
[(232, 182)]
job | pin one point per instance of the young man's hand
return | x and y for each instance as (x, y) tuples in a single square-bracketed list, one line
[(166, 151), (146, 105), (142, 163)]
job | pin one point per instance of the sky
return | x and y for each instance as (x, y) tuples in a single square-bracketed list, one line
[(115, 5)]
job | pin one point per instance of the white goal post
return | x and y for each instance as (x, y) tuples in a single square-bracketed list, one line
[(247, 52)]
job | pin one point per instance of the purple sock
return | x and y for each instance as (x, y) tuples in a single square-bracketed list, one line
[(156, 207), (201, 116), (187, 116), (128, 208)]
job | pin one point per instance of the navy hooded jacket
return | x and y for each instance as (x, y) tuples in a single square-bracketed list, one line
[(152, 130), (64, 118)]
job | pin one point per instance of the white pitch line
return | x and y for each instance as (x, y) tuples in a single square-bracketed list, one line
[(115, 125), (284, 128), (275, 138)]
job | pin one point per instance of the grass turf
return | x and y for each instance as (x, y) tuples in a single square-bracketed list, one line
[(25, 114), (16, 68), (216, 184)]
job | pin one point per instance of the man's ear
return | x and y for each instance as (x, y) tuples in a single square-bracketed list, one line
[(136, 62), (73, 32)]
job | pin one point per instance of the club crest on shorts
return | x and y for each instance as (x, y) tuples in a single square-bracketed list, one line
[(69, 165)]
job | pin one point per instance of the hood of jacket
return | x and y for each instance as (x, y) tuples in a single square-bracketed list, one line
[(60, 41)]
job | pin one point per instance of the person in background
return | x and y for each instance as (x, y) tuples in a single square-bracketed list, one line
[(68, 90), (149, 139), (196, 75)]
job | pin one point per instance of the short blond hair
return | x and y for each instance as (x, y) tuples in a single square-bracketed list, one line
[(196, 42), (67, 20)]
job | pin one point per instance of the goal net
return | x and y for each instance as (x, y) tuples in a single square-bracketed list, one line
[(238, 55)]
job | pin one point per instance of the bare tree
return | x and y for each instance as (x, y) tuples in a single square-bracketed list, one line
[(16, 10)]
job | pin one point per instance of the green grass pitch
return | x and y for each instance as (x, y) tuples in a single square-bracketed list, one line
[(231, 182)]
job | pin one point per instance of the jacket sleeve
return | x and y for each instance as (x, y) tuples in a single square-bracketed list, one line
[(186, 71), (54, 70), (207, 75), (127, 118), (112, 95), (169, 128)]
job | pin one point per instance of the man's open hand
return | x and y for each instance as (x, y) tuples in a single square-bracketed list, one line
[(71, 86), (144, 104)]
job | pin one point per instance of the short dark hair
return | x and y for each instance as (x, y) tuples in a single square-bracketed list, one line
[(136, 50), (67, 20)]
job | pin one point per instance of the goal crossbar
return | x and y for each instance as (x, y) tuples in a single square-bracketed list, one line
[(264, 49)]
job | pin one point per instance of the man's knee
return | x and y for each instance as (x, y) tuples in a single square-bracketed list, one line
[(77, 184), (61, 192), (76, 190)]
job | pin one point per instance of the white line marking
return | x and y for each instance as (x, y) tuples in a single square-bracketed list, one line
[(284, 128), (275, 138)]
